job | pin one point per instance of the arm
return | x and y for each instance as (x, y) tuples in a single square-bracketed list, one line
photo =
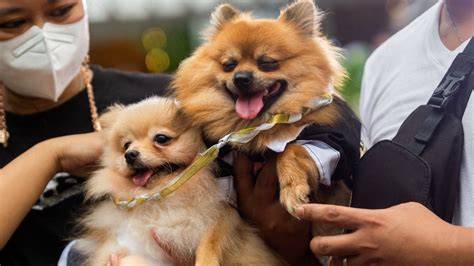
[(22, 180), (406, 234), (258, 203)]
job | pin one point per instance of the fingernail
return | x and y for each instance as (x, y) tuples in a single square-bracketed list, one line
[(299, 212)]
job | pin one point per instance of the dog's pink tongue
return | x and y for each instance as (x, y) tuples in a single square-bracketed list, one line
[(142, 177), (248, 107)]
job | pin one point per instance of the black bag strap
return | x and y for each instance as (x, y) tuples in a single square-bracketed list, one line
[(458, 106), (449, 95), (455, 77)]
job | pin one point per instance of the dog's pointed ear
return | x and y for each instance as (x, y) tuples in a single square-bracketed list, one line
[(110, 116), (222, 15), (304, 15)]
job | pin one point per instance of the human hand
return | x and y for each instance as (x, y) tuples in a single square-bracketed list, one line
[(126, 260), (77, 154), (406, 234), (258, 203)]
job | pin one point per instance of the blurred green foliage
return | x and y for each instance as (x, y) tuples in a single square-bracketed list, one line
[(179, 45), (355, 57)]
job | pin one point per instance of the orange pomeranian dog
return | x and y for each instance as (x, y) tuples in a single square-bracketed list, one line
[(148, 144), (250, 69)]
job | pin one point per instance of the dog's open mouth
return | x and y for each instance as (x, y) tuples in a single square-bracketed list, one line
[(249, 106), (142, 176)]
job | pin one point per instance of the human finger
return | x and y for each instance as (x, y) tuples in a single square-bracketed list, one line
[(338, 245), (243, 176), (266, 186), (113, 260), (343, 217)]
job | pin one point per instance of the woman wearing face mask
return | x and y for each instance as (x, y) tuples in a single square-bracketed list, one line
[(47, 90)]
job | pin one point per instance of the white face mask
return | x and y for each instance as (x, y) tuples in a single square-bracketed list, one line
[(42, 62)]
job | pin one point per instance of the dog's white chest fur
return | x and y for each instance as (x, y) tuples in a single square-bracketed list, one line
[(128, 239), (180, 221), (179, 228)]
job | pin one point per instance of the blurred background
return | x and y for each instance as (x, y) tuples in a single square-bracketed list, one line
[(155, 35)]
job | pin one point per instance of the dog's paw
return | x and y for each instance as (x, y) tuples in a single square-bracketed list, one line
[(295, 170), (291, 197)]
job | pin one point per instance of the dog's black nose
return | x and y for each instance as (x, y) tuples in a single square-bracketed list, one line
[(243, 80), (131, 156)]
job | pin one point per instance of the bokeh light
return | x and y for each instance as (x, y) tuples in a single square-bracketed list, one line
[(157, 60), (154, 38), (154, 42)]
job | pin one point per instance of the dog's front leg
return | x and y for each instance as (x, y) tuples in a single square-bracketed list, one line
[(296, 170)]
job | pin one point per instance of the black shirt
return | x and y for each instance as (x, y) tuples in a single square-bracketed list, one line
[(43, 234)]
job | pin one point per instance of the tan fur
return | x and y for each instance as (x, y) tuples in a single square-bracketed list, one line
[(305, 17), (295, 170), (307, 62), (231, 241), (194, 212)]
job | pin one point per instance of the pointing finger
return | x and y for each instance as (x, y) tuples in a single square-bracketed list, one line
[(343, 217)]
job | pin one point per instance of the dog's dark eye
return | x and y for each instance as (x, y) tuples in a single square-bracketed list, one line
[(229, 65), (267, 64), (162, 139), (126, 145)]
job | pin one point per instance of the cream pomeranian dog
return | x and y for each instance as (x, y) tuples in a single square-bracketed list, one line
[(148, 144)]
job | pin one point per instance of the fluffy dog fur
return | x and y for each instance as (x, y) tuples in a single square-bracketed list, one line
[(194, 224), (290, 63)]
